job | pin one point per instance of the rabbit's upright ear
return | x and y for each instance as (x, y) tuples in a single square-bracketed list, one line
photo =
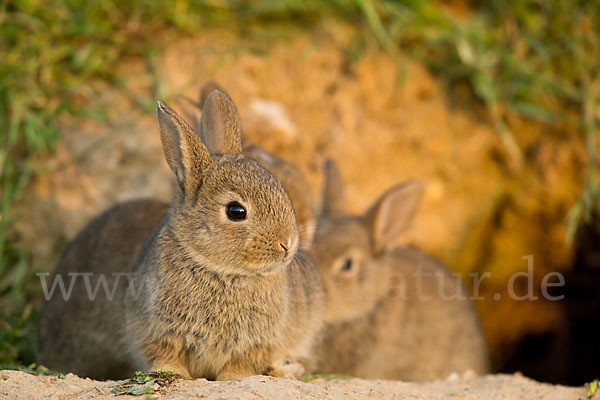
[(393, 213), (207, 88), (186, 155), (334, 191), (220, 125)]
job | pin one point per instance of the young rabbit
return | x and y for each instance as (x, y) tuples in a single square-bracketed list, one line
[(387, 315), (219, 289)]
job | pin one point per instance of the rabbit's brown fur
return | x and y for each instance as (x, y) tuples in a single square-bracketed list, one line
[(296, 186), (381, 322), (79, 335), (209, 297)]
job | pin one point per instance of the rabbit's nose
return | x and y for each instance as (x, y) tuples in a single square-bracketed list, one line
[(287, 245)]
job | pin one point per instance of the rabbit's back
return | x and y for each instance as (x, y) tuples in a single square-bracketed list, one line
[(427, 321), (80, 335)]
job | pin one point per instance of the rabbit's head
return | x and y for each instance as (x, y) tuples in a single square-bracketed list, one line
[(230, 215), (292, 179), (348, 250)]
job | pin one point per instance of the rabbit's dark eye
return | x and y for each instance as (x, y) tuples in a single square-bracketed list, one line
[(235, 211), (347, 266)]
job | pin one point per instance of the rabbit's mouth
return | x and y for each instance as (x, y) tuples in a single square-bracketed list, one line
[(247, 264), (277, 255), (274, 262), (280, 261)]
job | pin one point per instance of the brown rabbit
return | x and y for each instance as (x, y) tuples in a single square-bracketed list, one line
[(219, 289), (386, 312)]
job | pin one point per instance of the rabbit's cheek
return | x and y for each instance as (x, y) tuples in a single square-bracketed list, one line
[(231, 232), (254, 254)]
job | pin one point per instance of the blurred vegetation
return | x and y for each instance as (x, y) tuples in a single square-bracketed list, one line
[(147, 383), (535, 59)]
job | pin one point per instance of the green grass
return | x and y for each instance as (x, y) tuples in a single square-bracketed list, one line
[(534, 59), (145, 383), (32, 369)]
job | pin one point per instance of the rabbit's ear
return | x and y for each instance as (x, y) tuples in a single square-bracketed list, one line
[(220, 125), (334, 191), (393, 213), (188, 109), (207, 88), (186, 155), (259, 154)]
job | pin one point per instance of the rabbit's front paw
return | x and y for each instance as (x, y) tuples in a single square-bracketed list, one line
[(228, 375), (286, 369)]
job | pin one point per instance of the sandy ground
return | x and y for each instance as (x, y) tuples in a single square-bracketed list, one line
[(19, 385)]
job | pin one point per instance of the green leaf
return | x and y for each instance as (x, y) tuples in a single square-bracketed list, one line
[(145, 383), (594, 385)]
